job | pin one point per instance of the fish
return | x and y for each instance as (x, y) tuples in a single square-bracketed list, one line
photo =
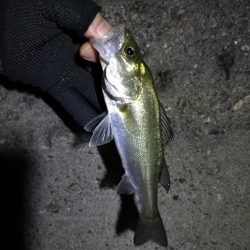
[(137, 122)]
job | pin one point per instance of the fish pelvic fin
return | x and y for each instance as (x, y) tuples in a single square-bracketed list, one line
[(150, 230)]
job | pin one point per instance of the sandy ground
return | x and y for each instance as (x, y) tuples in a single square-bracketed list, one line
[(57, 193)]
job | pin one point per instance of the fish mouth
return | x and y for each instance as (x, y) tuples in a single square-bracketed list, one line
[(109, 44)]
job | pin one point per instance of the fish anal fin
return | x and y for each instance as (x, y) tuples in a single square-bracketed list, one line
[(150, 230), (125, 186), (165, 177)]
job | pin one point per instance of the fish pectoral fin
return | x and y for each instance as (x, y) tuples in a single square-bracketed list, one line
[(150, 230), (92, 124), (125, 186), (102, 134), (129, 119), (167, 130), (165, 177)]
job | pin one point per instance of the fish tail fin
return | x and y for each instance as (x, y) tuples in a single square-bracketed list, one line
[(150, 230)]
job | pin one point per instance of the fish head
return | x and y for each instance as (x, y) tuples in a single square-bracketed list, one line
[(122, 63)]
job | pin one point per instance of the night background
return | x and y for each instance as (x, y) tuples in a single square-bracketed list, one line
[(57, 193)]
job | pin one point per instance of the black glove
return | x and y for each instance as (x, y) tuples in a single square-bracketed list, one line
[(37, 47)]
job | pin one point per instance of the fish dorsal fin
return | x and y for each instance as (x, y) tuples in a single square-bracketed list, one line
[(167, 131), (165, 176), (102, 133), (92, 124), (125, 186)]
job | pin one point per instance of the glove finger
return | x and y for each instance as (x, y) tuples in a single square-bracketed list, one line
[(74, 15), (56, 67)]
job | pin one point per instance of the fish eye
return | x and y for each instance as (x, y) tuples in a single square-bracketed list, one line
[(130, 51)]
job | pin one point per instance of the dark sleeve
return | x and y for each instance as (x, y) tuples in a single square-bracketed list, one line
[(1, 34), (38, 47), (73, 15), (32, 25)]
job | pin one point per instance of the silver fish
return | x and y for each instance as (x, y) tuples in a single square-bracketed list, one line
[(137, 122)]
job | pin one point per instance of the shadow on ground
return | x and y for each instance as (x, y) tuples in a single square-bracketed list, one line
[(14, 174), (14, 167), (128, 214)]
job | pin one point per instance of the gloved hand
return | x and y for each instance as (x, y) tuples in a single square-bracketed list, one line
[(37, 46)]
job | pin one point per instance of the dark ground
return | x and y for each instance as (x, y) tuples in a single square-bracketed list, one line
[(54, 192)]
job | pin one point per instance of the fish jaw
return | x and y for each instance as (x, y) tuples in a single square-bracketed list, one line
[(109, 44), (123, 72)]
